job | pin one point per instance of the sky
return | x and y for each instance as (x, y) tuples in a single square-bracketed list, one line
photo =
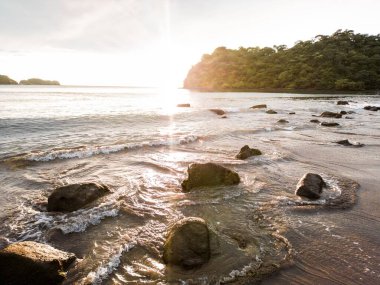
[(155, 42)]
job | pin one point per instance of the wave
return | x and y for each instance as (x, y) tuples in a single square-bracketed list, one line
[(88, 151)]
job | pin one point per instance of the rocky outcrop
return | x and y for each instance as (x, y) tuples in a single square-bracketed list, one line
[(348, 143), (328, 114), (372, 108), (184, 105), (209, 174), (38, 81), (219, 112), (5, 80), (260, 106), (329, 124), (282, 121), (188, 243), (246, 152), (271, 112), (341, 102), (32, 263), (72, 197), (310, 186)]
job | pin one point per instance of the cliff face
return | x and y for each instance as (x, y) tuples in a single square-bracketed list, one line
[(38, 81), (343, 61), (5, 80)]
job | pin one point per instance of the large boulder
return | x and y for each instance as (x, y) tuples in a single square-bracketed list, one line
[(372, 108), (32, 263), (188, 243), (72, 197), (328, 114), (219, 112), (310, 186), (258, 106), (209, 174), (246, 152)]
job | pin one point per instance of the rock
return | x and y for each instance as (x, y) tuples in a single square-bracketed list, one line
[(329, 124), (282, 121), (348, 117), (351, 112), (315, 121), (217, 111), (310, 186), (372, 108), (224, 117), (72, 197), (188, 243), (342, 103), (331, 115), (271, 112), (347, 143), (30, 263), (343, 113), (246, 152), (209, 174), (258, 106), (185, 105), (292, 113)]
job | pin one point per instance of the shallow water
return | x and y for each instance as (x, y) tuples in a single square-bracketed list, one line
[(138, 143)]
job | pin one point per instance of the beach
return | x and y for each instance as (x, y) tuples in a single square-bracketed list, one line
[(140, 144)]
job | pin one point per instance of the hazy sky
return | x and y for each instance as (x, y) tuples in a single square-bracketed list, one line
[(155, 42)]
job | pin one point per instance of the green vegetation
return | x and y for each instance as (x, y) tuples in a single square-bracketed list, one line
[(5, 80), (344, 61), (37, 81)]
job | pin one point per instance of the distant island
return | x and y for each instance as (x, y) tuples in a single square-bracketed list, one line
[(37, 81), (344, 61), (5, 80)]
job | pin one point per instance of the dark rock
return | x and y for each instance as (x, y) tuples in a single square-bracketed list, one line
[(271, 112), (315, 121), (258, 106), (188, 243), (347, 143), (351, 112), (329, 124), (224, 117), (349, 118), (372, 108), (342, 103), (331, 115), (32, 263), (217, 111), (282, 121), (291, 113), (310, 186), (343, 112), (246, 152), (209, 174), (72, 197), (185, 105)]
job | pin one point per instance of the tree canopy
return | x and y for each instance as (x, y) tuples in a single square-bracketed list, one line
[(343, 61)]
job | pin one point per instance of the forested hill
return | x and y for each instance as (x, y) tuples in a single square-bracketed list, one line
[(344, 61)]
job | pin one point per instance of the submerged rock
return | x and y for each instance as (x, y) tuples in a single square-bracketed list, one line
[(329, 124), (348, 118), (209, 174), (347, 143), (342, 102), (219, 112), (261, 106), (314, 121), (271, 112), (343, 113), (184, 105), (310, 186), (372, 108), (72, 197), (282, 121), (246, 152), (31, 263), (292, 113), (328, 114), (188, 243)]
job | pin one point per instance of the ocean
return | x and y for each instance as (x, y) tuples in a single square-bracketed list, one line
[(137, 142)]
